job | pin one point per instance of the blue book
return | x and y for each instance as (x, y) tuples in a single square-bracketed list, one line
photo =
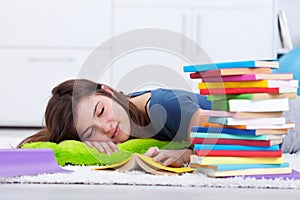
[(235, 136), (236, 64), (235, 147), (225, 167), (223, 130)]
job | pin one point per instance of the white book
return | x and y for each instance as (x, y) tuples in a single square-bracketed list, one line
[(275, 126), (267, 105), (283, 83), (250, 121)]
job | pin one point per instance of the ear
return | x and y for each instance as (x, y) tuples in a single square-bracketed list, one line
[(107, 89)]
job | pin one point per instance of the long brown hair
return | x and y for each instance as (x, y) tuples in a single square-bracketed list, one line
[(61, 110)]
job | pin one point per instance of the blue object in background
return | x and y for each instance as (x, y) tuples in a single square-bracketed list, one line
[(290, 62)]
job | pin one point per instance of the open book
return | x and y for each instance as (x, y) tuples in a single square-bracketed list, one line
[(145, 163)]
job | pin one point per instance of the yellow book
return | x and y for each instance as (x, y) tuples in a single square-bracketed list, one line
[(144, 163), (244, 172), (210, 160), (250, 84)]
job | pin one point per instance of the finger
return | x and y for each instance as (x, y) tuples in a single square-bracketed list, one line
[(113, 147), (87, 143), (152, 151), (98, 146), (160, 157), (106, 148), (169, 161)]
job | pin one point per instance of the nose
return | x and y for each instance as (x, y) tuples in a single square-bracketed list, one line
[(106, 127)]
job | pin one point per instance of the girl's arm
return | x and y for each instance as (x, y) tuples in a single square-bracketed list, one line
[(177, 158)]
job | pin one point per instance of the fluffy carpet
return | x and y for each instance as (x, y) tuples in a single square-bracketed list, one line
[(84, 175)]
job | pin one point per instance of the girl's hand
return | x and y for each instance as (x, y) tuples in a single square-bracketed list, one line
[(174, 158), (103, 147)]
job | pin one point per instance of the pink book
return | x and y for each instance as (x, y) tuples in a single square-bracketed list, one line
[(249, 77)]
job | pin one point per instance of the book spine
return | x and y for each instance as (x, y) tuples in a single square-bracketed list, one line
[(214, 160), (223, 130), (265, 143), (215, 91), (242, 153), (245, 84), (234, 147)]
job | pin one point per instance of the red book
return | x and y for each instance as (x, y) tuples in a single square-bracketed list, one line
[(235, 142), (239, 91), (241, 153)]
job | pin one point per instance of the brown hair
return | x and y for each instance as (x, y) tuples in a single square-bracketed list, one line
[(61, 110)]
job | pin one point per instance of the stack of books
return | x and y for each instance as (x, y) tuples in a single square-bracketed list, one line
[(245, 127)]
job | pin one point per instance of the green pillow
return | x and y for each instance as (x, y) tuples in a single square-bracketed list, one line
[(77, 153)]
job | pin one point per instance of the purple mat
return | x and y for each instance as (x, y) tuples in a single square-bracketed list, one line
[(294, 175), (18, 162)]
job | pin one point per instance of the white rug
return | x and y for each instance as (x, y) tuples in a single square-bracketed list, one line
[(84, 175)]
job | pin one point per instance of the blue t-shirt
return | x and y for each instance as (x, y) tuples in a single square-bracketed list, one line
[(171, 111)]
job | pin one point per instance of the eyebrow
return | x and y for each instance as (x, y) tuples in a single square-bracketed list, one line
[(95, 109)]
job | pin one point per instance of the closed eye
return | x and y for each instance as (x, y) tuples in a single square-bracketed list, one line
[(101, 112)]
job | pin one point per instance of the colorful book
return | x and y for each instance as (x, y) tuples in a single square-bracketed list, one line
[(230, 72), (289, 125), (222, 113), (250, 121), (242, 172), (255, 96), (250, 77), (266, 143), (215, 160), (235, 147), (243, 153), (236, 64), (249, 84), (245, 105), (218, 128), (224, 167), (214, 91), (235, 136)]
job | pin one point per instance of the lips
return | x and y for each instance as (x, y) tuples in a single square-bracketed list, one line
[(116, 131)]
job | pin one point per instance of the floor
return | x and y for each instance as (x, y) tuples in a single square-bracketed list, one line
[(91, 192), (11, 137)]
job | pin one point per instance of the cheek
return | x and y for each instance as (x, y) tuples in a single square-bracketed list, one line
[(98, 137)]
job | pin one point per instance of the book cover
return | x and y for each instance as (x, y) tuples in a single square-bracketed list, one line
[(249, 84), (295, 175), (248, 121), (145, 163), (251, 171), (242, 153), (261, 128), (224, 167), (21, 162), (215, 160), (236, 136), (215, 91), (229, 72), (254, 96), (222, 113), (235, 64), (266, 143), (235, 147), (218, 128), (250, 77), (245, 105)]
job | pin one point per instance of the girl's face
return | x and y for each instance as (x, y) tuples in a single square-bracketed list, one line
[(101, 119)]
